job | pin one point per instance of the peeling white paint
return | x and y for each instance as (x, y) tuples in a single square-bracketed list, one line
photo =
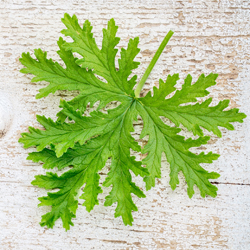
[(6, 113), (210, 36)]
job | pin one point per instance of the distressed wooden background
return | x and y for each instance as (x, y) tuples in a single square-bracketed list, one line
[(210, 36)]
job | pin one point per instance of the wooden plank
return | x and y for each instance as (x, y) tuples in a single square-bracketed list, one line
[(210, 36)]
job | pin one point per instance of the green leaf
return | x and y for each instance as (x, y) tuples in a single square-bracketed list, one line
[(163, 138), (81, 144), (63, 202), (87, 160), (65, 135), (193, 117)]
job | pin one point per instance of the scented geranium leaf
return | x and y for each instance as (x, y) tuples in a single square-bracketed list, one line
[(91, 96), (65, 135), (163, 138), (73, 157), (102, 61), (86, 160), (89, 158), (85, 45), (72, 78), (48, 157), (190, 92), (193, 117), (127, 64), (119, 176), (63, 202), (84, 143)]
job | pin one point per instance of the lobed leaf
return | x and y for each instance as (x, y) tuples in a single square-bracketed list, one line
[(85, 143)]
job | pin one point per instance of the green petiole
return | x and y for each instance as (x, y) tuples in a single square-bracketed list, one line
[(152, 63)]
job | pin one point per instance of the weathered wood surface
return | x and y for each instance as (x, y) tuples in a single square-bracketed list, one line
[(210, 36)]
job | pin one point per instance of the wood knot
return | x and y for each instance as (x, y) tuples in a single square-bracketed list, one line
[(5, 113)]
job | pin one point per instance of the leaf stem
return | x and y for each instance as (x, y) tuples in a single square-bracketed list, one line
[(152, 63)]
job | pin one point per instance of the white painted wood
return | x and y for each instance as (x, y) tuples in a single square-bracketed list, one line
[(6, 113), (210, 36)]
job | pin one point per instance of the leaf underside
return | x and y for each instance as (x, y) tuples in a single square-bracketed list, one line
[(87, 142)]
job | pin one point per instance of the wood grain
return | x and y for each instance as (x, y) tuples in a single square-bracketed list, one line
[(210, 36)]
